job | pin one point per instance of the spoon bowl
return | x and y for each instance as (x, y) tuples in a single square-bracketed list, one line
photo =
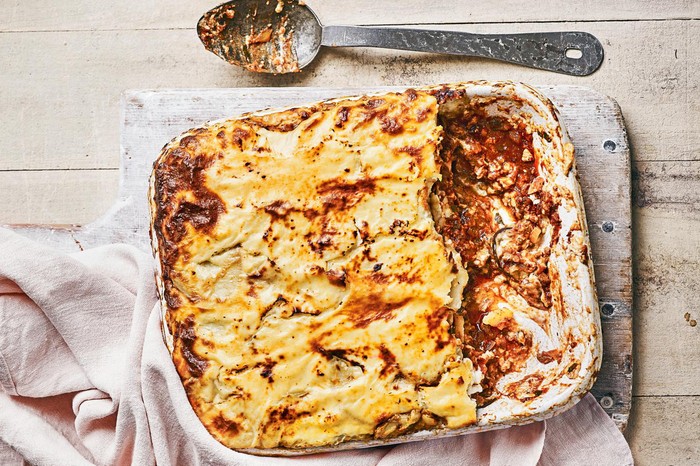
[(268, 37)]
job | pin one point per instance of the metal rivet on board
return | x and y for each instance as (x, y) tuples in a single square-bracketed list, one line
[(607, 402), (609, 145), (607, 309), (608, 227)]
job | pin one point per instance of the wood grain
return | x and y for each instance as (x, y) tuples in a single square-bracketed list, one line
[(77, 81), (59, 91), (162, 14), (77, 196), (662, 431), (667, 260)]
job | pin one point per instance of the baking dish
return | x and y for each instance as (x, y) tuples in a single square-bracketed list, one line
[(565, 350)]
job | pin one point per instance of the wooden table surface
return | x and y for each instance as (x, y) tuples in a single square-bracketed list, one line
[(65, 64)]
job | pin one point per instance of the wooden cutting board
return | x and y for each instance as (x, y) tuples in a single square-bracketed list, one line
[(151, 118)]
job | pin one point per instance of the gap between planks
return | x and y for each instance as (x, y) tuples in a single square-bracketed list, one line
[(379, 25)]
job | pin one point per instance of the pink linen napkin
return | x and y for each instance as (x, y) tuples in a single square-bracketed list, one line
[(86, 379)]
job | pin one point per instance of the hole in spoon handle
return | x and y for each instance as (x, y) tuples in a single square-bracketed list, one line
[(573, 53)]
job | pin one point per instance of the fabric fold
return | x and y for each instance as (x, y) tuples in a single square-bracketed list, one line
[(86, 379)]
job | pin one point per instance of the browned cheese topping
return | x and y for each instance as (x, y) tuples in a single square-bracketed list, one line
[(309, 295), (362, 268)]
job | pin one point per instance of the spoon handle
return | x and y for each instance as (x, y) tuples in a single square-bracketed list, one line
[(574, 53)]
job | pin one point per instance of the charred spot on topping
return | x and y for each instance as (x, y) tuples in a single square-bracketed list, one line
[(284, 415), (239, 135), (397, 225), (266, 369), (419, 234), (390, 364), (225, 426), (312, 312), (390, 125), (342, 117), (411, 95), (338, 353), (377, 267), (364, 310), (171, 299), (422, 114), (323, 241), (342, 194), (367, 253), (316, 270), (364, 235), (201, 214), (221, 136), (258, 273), (414, 152), (584, 255), (190, 143), (337, 277), (374, 103), (437, 317), (406, 277), (445, 94), (278, 209), (380, 278), (183, 171), (185, 338)]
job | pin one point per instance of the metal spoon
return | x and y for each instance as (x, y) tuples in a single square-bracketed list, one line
[(285, 36)]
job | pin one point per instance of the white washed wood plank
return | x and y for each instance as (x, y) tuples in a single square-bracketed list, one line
[(60, 91), (667, 260), (664, 431), (21, 15), (57, 197)]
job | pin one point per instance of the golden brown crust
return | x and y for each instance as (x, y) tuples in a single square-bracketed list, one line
[(313, 263)]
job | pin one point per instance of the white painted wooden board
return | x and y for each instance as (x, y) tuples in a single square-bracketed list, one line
[(91, 15), (151, 118)]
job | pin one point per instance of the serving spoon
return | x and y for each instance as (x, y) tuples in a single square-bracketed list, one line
[(285, 36)]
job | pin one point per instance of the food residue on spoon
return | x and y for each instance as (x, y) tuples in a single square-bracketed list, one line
[(261, 37), (242, 42)]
